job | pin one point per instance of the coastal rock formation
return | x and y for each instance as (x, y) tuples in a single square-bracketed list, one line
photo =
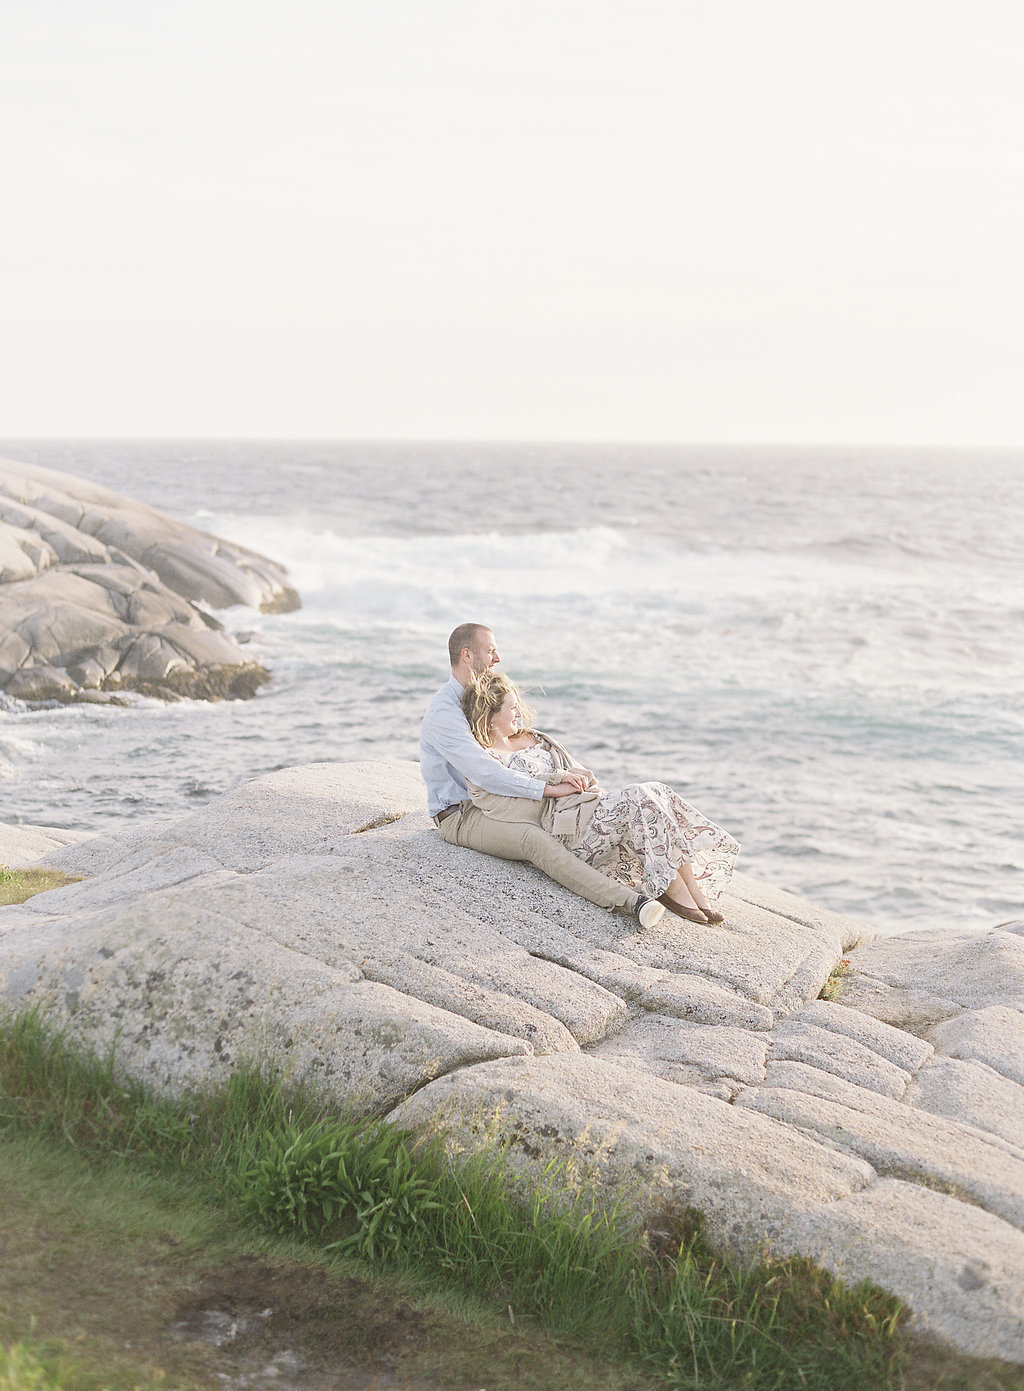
[(21, 846), (316, 917), (101, 595)]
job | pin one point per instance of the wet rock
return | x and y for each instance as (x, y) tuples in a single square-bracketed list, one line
[(41, 682)]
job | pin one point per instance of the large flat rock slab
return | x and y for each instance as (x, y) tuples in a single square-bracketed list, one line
[(692, 1054), (798, 1040), (973, 1093), (905, 1007), (103, 595), (180, 1018), (846, 931), (900, 1142), (315, 919), (903, 1050), (970, 969)]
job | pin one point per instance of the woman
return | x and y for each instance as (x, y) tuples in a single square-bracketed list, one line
[(641, 835)]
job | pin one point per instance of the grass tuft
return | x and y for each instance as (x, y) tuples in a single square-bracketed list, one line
[(18, 884), (22, 1370), (386, 818), (831, 988)]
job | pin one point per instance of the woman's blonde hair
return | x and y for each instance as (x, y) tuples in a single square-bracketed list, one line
[(483, 698)]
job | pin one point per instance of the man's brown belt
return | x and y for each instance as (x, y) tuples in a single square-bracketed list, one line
[(448, 811)]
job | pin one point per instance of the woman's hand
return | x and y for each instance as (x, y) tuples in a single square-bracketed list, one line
[(572, 781)]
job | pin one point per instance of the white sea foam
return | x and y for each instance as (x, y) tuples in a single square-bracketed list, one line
[(16, 745), (584, 561), (796, 619)]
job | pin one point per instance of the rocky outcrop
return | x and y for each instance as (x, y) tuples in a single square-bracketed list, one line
[(100, 595), (21, 846), (316, 917)]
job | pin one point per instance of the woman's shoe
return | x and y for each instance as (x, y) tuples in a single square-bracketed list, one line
[(712, 916), (693, 915)]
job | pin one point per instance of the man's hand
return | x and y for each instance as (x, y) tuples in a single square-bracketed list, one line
[(573, 782), (577, 778)]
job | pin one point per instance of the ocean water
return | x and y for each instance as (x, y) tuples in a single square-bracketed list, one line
[(822, 649)]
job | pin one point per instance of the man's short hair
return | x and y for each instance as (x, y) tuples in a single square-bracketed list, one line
[(465, 635)]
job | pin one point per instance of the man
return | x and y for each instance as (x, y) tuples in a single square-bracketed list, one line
[(449, 755)]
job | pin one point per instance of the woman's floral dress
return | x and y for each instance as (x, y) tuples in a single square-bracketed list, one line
[(642, 833)]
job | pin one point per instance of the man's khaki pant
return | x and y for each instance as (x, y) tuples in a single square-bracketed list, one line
[(523, 840)]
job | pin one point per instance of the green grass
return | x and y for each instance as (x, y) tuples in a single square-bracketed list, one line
[(24, 1366), (18, 884), (35, 1364), (578, 1269), (22, 1369)]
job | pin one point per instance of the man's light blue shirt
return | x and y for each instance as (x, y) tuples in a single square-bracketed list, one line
[(449, 755)]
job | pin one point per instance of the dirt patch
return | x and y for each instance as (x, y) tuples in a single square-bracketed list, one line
[(292, 1327)]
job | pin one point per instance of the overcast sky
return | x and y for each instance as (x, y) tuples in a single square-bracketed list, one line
[(693, 220)]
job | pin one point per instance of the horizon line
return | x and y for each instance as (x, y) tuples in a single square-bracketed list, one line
[(523, 440)]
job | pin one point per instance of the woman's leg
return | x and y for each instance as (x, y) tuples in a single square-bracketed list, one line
[(693, 889), (683, 889)]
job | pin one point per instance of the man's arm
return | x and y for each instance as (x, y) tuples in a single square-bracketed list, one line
[(450, 736)]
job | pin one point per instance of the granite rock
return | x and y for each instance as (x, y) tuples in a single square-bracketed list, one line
[(797, 1040), (314, 918), (994, 1036), (958, 1267), (901, 1142), (902, 1049), (102, 595), (910, 1010), (973, 1093), (970, 969), (688, 1053), (622, 1128), (22, 846)]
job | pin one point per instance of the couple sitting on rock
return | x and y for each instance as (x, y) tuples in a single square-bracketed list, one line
[(497, 785)]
